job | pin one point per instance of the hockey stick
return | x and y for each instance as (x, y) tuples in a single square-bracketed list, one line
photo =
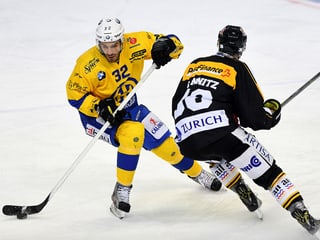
[(299, 90), (22, 211)]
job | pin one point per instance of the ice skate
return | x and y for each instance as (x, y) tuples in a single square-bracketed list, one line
[(208, 181), (120, 200), (301, 214), (248, 198)]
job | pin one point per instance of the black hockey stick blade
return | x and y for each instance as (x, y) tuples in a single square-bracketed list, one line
[(13, 210)]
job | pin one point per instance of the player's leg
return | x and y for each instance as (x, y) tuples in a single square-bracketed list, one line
[(158, 140), (128, 138), (170, 152), (231, 178), (260, 166)]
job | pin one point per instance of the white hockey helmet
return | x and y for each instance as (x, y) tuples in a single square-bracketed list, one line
[(109, 30)]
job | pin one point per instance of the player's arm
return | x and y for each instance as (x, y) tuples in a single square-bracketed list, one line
[(165, 48), (78, 93), (252, 110)]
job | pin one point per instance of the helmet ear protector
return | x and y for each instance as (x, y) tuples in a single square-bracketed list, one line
[(109, 30), (232, 40)]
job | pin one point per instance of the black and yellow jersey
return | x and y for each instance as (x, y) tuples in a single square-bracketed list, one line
[(214, 96)]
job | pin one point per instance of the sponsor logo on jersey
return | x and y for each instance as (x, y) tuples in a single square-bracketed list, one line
[(284, 191), (201, 122), (223, 173), (92, 131), (204, 68), (154, 126), (278, 192), (280, 189), (254, 143), (211, 70), (132, 40), (75, 85), (124, 89), (91, 65), (138, 54), (254, 162), (101, 75)]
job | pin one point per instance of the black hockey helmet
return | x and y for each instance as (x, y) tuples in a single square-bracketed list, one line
[(232, 40)]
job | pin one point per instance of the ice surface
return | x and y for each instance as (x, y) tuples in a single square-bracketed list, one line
[(41, 134)]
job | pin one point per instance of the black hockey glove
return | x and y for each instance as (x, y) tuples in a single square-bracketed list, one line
[(161, 50), (273, 109), (106, 108)]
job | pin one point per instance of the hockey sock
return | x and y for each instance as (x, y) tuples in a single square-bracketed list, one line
[(226, 173), (170, 152), (284, 191), (126, 166)]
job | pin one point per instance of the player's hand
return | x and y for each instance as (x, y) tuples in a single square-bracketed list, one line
[(273, 109), (106, 108), (161, 50)]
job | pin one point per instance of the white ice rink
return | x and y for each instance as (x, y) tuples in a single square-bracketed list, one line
[(41, 134)]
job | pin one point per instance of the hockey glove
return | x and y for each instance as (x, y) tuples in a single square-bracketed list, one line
[(273, 109), (106, 108), (161, 50)]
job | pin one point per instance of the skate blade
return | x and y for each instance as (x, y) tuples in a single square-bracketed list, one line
[(259, 213), (316, 235), (116, 212), (223, 189)]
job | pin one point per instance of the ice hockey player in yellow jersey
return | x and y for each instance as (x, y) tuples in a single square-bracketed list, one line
[(102, 77)]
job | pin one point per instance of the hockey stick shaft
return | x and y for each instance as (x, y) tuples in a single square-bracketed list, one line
[(13, 210), (299, 90)]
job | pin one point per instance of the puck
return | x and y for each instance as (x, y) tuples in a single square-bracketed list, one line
[(22, 215)]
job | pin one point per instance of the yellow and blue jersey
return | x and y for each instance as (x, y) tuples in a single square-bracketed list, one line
[(94, 78)]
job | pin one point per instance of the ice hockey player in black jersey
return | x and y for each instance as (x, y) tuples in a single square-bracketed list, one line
[(216, 99)]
